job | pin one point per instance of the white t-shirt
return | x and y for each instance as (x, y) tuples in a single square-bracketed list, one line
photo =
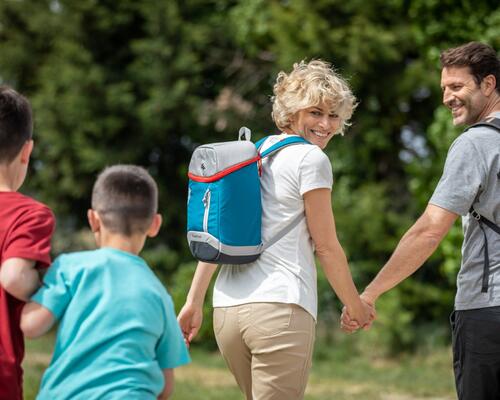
[(286, 271)]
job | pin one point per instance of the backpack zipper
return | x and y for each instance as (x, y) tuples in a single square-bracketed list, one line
[(206, 204)]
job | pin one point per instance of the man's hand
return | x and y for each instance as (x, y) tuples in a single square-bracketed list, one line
[(190, 318), (349, 324)]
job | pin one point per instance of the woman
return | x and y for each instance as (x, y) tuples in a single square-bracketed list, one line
[(265, 311)]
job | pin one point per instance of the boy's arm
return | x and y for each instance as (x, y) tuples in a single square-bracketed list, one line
[(36, 320), (19, 277), (168, 374)]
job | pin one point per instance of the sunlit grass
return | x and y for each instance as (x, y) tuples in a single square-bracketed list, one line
[(334, 376)]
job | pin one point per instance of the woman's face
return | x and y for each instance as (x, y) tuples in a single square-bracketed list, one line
[(316, 124)]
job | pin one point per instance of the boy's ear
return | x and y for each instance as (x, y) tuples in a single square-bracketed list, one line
[(154, 228), (94, 221), (26, 151)]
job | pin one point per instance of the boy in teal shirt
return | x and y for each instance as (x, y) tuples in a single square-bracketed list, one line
[(118, 337)]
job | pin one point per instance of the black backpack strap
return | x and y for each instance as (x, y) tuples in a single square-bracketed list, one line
[(490, 122), (486, 266), (494, 123)]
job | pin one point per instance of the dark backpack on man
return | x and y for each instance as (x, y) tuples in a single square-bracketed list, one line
[(493, 123)]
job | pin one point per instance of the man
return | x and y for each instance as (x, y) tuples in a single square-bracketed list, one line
[(470, 187)]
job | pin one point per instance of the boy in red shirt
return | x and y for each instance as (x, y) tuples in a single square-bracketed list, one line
[(26, 227)]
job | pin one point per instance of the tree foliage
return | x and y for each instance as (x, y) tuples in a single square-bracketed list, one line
[(144, 82)]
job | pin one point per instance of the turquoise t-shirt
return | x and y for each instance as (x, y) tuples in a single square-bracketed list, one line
[(117, 328)]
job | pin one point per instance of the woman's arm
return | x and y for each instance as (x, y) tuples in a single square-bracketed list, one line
[(321, 224), (191, 315)]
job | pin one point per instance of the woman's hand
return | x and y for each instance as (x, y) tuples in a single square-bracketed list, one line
[(190, 319), (350, 322), (191, 314)]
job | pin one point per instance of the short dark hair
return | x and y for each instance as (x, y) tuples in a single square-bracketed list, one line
[(16, 123), (481, 59), (125, 198)]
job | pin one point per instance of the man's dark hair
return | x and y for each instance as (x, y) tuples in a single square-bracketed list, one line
[(481, 59), (126, 199), (16, 123)]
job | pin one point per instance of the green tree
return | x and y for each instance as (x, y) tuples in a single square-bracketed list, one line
[(144, 82)]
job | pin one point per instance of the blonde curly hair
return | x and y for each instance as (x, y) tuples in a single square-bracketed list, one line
[(310, 84)]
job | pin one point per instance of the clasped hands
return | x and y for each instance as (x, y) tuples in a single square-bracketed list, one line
[(352, 321)]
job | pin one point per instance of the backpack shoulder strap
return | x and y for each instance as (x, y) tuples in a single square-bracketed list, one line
[(484, 220), (272, 150), (260, 142), (289, 141), (486, 265), (490, 122), (493, 123), (282, 232)]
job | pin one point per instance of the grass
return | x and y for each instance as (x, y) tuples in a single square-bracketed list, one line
[(334, 376)]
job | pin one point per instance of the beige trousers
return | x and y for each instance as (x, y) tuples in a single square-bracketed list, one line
[(268, 348)]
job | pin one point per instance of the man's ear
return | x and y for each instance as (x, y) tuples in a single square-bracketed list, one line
[(154, 228), (26, 151), (94, 220), (488, 84)]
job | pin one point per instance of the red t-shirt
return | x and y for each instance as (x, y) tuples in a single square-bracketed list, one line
[(26, 227)]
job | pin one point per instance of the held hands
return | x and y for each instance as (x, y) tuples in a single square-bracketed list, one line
[(351, 321), (190, 318)]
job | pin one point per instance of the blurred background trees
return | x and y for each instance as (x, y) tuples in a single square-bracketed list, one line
[(146, 81)]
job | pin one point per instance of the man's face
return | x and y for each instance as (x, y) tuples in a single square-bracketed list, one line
[(462, 95)]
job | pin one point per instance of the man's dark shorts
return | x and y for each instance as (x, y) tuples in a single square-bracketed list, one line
[(476, 353)]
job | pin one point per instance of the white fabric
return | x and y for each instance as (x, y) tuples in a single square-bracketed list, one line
[(286, 272)]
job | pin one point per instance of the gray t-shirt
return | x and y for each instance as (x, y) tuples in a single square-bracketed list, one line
[(470, 178)]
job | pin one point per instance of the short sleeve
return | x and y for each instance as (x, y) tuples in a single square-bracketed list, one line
[(461, 180), (54, 294), (30, 237), (315, 171), (172, 351)]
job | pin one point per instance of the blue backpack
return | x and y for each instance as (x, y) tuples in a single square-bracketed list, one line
[(224, 208)]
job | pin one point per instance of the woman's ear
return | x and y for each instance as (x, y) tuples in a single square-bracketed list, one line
[(154, 228), (289, 129)]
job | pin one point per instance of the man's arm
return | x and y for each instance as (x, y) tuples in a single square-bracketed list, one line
[(19, 277), (36, 320), (414, 248)]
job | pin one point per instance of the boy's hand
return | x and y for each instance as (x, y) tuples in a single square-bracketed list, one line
[(190, 318)]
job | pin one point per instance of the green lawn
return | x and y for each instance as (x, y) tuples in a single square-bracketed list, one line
[(334, 376)]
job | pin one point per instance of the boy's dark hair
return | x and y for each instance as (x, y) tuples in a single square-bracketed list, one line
[(16, 123), (481, 59), (126, 199)]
